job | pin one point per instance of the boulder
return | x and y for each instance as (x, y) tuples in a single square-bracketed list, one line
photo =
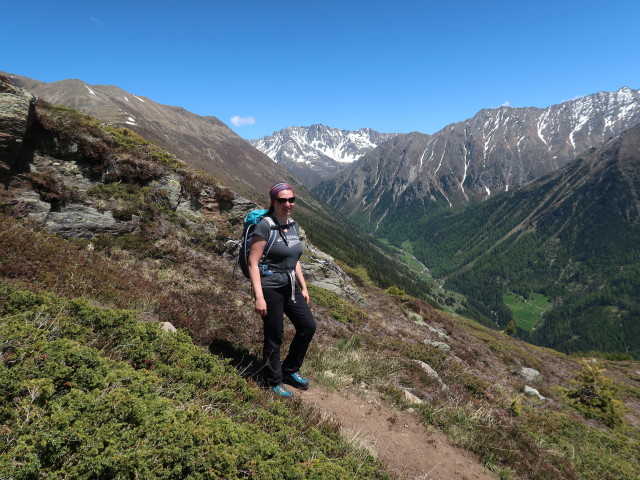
[(17, 112), (168, 327), (438, 332), (530, 374), (321, 270), (417, 318), (532, 392)]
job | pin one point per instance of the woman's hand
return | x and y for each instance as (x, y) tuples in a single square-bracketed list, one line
[(260, 307), (305, 294)]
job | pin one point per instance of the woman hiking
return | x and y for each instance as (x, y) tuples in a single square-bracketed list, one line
[(279, 287)]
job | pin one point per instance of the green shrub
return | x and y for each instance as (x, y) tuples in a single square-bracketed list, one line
[(337, 307), (595, 395), (393, 290)]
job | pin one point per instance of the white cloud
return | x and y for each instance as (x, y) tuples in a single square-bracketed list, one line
[(505, 104), (238, 121), (95, 20)]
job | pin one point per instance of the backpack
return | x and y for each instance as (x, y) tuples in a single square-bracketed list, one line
[(250, 221)]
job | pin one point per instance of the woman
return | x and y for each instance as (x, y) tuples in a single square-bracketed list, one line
[(279, 287)]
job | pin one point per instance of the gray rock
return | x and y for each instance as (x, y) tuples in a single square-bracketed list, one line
[(35, 207), (17, 112), (81, 221), (530, 374), (440, 345), (532, 392), (168, 327), (241, 206), (410, 397), (417, 318), (438, 332), (432, 373), (326, 274), (170, 184)]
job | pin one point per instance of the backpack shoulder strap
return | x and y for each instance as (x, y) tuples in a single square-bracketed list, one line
[(272, 235)]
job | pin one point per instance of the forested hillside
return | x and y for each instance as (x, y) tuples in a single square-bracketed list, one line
[(573, 236)]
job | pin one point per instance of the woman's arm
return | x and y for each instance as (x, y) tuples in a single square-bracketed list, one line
[(255, 255), (301, 282)]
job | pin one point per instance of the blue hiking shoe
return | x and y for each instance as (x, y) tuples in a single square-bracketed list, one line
[(282, 391), (296, 380)]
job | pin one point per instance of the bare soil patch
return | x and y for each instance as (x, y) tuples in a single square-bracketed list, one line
[(410, 451)]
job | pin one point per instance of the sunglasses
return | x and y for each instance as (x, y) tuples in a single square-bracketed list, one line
[(282, 201)]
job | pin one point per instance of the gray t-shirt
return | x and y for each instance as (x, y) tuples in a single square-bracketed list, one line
[(282, 256)]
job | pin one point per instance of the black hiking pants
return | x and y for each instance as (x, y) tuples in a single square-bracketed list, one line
[(278, 303)]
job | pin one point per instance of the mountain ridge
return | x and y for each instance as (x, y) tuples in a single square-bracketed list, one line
[(203, 141), (314, 152), (496, 149)]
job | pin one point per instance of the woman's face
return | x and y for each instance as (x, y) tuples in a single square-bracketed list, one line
[(283, 209)]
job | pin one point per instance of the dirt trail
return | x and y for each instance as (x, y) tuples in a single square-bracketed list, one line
[(397, 438)]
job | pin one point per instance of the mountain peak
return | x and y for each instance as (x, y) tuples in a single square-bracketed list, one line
[(484, 155), (315, 152)]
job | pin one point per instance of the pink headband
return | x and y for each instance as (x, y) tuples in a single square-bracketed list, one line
[(277, 188)]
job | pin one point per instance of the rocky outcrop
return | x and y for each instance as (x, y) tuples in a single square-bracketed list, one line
[(17, 112), (321, 270), (204, 142), (81, 221), (428, 369), (440, 345)]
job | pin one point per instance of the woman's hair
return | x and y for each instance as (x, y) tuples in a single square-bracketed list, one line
[(273, 194), (277, 188)]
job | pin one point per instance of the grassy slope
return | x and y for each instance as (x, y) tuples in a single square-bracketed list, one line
[(166, 272), (95, 393)]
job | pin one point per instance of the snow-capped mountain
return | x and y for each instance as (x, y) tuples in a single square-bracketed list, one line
[(312, 153), (495, 150)]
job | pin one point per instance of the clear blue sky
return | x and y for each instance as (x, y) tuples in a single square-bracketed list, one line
[(394, 66)]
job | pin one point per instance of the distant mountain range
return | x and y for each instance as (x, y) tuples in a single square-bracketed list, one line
[(313, 153), (468, 161)]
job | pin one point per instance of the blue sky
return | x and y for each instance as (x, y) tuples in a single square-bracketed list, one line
[(394, 66)]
